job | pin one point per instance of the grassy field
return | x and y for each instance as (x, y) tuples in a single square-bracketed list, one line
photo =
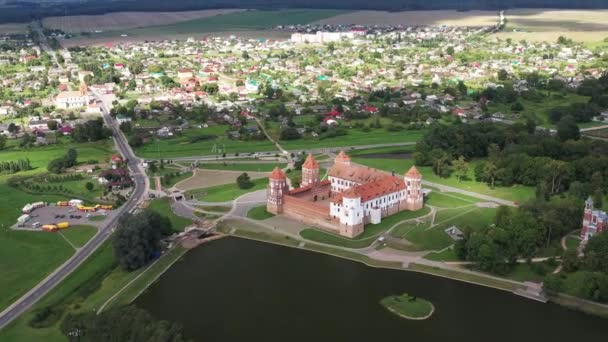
[(126, 20), (530, 272), (440, 17), (445, 255), (228, 166), (13, 28), (539, 110), (226, 192), (468, 277), (400, 166), (79, 235), (85, 290), (449, 200), (182, 147), (163, 207), (253, 20), (369, 235), (422, 236), (407, 306), (259, 213), (355, 137)]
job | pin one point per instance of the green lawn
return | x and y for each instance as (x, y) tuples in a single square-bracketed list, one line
[(572, 242), (422, 237), (515, 193), (449, 200), (259, 213), (369, 235), (97, 218), (240, 21), (530, 272), (163, 206), (225, 192), (355, 137), (406, 306), (445, 255), (79, 235), (251, 167)]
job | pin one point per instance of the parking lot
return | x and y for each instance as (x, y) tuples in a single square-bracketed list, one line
[(56, 214)]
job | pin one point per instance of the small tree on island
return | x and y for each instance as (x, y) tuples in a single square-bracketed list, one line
[(244, 181)]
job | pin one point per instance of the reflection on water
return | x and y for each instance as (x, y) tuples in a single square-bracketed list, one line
[(239, 290)]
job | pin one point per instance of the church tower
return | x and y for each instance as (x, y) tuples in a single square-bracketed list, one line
[(310, 172), (275, 192), (413, 190)]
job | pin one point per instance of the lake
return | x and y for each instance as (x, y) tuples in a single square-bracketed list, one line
[(239, 290)]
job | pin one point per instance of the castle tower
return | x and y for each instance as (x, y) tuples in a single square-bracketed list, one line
[(413, 186), (342, 158), (310, 171), (275, 192), (587, 216), (351, 217)]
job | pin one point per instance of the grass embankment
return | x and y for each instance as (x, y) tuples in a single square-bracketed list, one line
[(369, 235), (163, 206), (79, 235), (408, 307), (225, 192), (90, 286), (259, 213), (467, 277)]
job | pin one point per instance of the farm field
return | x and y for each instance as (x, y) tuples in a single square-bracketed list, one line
[(13, 28), (125, 20), (251, 20), (442, 17), (548, 25), (226, 192)]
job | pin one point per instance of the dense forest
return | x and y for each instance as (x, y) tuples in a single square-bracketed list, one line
[(21, 11)]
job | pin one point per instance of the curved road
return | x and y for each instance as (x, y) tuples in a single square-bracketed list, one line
[(104, 232)]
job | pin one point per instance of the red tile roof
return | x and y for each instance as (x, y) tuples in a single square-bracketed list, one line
[(277, 173), (310, 163)]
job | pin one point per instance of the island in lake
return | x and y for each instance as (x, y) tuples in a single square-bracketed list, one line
[(408, 307)]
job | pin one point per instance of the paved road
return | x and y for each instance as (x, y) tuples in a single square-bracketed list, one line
[(272, 153), (104, 232)]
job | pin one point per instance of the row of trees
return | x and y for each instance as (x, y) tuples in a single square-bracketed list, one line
[(15, 166)]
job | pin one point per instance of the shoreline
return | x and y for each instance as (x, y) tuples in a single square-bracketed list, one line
[(411, 318)]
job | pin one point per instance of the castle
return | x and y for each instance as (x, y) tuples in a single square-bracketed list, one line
[(594, 221), (350, 198)]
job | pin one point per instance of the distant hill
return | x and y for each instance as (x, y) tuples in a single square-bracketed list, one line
[(20, 11)]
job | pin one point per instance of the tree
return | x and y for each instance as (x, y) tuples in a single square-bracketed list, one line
[(137, 239), (2, 142), (441, 163), (596, 253), (517, 107), (461, 167), (490, 171), (13, 128), (450, 50), (152, 167), (89, 186), (502, 75), (125, 323), (243, 181), (567, 129)]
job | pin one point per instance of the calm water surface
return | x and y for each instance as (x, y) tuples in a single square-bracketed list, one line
[(239, 290)]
